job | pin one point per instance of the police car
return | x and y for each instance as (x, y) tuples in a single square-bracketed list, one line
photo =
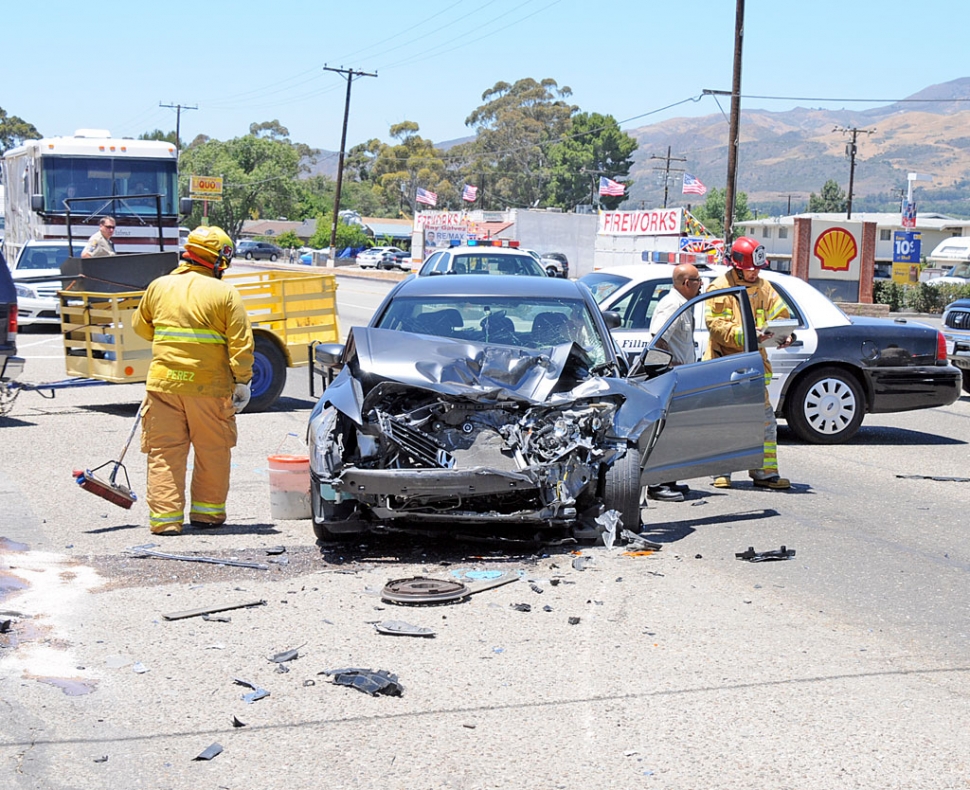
[(837, 369)]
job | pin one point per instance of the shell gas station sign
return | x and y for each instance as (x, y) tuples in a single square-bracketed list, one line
[(836, 251)]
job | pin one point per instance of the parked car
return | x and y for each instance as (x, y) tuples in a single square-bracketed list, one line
[(558, 262), (371, 258), (838, 369), (395, 260), (36, 273), (955, 275), (481, 259), (258, 250), (956, 332), (500, 403), (11, 366)]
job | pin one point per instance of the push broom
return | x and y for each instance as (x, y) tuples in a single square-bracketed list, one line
[(111, 489)]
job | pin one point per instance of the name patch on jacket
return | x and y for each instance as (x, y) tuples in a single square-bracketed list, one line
[(181, 375)]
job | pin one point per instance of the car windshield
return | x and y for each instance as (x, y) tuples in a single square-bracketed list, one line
[(512, 321), (961, 270), (46, 257), (602, 285), (485, 263)]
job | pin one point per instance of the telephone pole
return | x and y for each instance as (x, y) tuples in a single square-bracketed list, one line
[(734, 132), (667, 170), (178, 120), (850, 151), (349, 74)]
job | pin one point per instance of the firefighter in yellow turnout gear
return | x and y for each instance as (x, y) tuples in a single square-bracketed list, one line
[(202, 363), (726, 336)]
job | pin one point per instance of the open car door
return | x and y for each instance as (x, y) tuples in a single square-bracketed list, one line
[(715, 421)]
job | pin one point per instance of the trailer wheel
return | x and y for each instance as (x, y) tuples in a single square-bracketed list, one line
[(269, 375)]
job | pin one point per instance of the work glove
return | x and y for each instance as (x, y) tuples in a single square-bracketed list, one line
[(240, 397)]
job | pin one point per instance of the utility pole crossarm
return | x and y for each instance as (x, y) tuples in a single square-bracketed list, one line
[(667, 170), (178, 120), (851, 152)]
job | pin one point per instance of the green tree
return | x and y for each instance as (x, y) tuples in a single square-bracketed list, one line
[(288, 240), (14, 130), (832, 199), (711, 213), (347, 235), (514, 126), (259, 179), (413, 162), (595, 144), (158, 134)]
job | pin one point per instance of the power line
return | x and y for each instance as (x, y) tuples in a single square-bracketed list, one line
[(850, 151), (667, 170), (178, 120)]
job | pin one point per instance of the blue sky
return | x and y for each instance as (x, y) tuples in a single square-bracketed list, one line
[(70, 65)]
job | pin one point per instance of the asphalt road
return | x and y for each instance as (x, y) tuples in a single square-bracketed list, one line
[(847, 666)]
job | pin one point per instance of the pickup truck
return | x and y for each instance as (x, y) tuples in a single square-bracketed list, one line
[(289, 312)]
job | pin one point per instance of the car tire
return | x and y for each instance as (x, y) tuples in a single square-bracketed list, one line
[(269, 375), (966, 380), (249, 256), (621, 489), (273, 257), (324, 512), (825, 406), (552, 271)]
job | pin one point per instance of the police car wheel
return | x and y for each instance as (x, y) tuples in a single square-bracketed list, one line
[(826, 406)]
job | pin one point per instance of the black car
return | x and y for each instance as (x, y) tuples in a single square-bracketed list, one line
[(476, 403), (11, 366), (258, 250)]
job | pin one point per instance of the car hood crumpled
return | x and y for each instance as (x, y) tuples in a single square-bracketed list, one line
[(486, 373)]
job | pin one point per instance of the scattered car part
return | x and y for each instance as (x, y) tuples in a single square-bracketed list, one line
[(146, 551), (423, 590), (237, 723), (521, 607), (276, 550), (216, 618), (209, 752), (211, 609), (369, 681), (287, 655), (784, 553), (937, 478), (400, 628), (257, 692), (5, 626), (638, 542), (536, 588), (573, 621), (582, 563)]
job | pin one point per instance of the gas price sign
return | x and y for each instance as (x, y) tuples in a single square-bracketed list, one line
[(906, 246)]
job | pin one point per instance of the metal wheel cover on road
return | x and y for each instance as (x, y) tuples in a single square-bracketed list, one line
[(830, 406), (420, 589)]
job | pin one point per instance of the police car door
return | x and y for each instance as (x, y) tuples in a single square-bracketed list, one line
[(715, 420)]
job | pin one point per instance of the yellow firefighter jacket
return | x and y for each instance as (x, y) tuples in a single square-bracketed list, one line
[(202, 342), (726, 333)]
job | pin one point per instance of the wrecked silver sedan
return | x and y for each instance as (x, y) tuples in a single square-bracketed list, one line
[(499, 404)]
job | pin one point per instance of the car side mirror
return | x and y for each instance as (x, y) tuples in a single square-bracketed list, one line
[(652, 360), (36, 202), (328, 354), (612, 318), (185, 205)]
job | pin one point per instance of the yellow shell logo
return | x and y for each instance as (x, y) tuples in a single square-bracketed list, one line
[(835, 248)]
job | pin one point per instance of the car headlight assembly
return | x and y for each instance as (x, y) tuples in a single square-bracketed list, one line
[(26, 292)]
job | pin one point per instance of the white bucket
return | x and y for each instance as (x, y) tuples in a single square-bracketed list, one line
[(289, 487)]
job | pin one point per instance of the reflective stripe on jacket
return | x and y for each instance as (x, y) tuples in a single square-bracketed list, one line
[(726, 333), (202, 341)]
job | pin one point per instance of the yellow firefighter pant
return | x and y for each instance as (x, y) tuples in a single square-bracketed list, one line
[(171, 424)]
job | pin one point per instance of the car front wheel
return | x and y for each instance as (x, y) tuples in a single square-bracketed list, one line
[(273, 257), (826, 406), (551, 271), (621, 489), (249, 256)]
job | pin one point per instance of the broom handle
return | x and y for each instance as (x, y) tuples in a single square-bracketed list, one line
[(131, 436)]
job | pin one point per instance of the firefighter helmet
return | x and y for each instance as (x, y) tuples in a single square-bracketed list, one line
[(210, 246), (747, 254)]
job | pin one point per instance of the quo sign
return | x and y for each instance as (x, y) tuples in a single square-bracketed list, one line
[(205, 187)]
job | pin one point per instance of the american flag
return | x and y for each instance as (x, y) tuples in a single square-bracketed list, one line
[(469, 193), (693, 186), (425, 196), (610, 187)]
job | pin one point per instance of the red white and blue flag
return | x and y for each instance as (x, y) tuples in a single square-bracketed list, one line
[(610, 187), (693, 186), (469, 193), (426, 196)]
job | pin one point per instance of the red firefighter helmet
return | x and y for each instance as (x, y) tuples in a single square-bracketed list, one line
[(747, 254)]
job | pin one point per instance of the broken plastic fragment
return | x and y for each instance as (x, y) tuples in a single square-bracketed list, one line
[(139, 668), (369, 681), (287, 655), (609, 523), (209, 752), (257, 692), (639, 542), (276, 550), (535, 588), (237, 723), (751, 555), (400, 628), (573, 621), (5, 626), (102, 759), (582, 563), (521, 607)]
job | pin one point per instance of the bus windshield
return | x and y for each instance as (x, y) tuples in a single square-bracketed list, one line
[(106, 177)]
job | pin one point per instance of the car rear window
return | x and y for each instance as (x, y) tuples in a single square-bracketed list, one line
[(602, 285), (482, 263)]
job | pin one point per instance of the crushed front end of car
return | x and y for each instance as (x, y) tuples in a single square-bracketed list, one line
[(450, 434)]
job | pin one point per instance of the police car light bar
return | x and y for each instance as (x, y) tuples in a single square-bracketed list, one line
[(492, 243)]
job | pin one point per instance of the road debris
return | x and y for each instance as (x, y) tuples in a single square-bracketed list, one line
[(206, 610), (635, 542), (216, 618), (237, 723), (5, 626), (784, 553), (102, 759), (139, 668), (418, 590), (521, 607), (400, 628), (582, 563), (147, 551), (369, 681), (257, 692), (937, 478), (286, 655), (573, 621), (209, 752)]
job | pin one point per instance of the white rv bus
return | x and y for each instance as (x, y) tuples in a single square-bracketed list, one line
[(84, 178)]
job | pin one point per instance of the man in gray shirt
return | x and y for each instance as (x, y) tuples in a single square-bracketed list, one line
[(679, 341)]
